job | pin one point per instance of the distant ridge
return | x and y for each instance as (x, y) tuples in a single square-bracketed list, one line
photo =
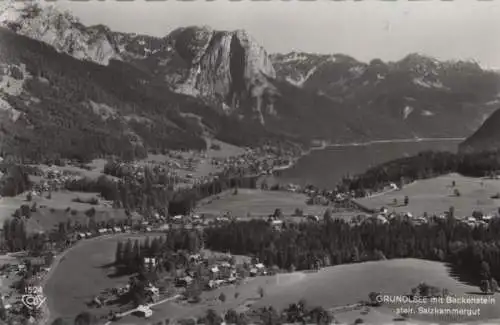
[(171, 91)]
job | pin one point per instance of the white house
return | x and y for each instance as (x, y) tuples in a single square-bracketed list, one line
[(225, 264), (154, 290), (381, 219), (259, 266), (146, 311)]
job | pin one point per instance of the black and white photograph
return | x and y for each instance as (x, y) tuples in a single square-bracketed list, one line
[(242, 162)]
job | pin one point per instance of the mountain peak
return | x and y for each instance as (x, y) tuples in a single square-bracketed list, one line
[(60, 29)]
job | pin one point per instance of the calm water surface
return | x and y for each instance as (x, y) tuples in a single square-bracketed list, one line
[(325, 168)]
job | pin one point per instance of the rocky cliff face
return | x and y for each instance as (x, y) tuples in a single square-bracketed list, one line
[(227, 68), (59, 29)]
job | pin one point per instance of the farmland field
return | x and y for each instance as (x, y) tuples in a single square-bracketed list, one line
[(257, 203), (436, 195)]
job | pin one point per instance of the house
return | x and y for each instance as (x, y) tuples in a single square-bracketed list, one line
[(214, 270), (145, 311), (408, 215), (381, 219), (152, 290), (165, 226), (487, 218), (393, 186), (150, 261), (185, 281), (211, 284), (225, 264), (195, 258), (312, 218), (277, 224), (177, 218)]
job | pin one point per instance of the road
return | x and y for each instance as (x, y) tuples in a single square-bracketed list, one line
[(131, 311)]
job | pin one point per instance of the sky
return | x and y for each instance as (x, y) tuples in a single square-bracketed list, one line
[(389, 30)]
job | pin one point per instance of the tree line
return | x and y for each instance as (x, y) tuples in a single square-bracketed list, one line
[(426, 164), (155, 192), (307, 245), (130, 255)]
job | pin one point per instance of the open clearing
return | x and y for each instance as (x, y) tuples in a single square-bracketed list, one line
[(81, 274), (332, 287), (348, 284), (59, 208), (436, 195), (257, 203)]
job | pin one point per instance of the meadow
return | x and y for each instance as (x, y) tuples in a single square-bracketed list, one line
[(436, 195), (61, 207), (83, 272), (257, 203), (332, 287)]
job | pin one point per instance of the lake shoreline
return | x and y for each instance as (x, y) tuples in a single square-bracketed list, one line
[(325, 145)]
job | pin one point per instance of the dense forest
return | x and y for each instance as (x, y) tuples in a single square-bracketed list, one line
[(309, 245), (81, 110), (426, 164)]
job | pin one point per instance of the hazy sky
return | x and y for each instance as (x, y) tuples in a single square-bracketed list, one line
[(459, 29)]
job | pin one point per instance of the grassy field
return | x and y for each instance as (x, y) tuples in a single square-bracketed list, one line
[(436, 195), (257, 203), (348, 284), (59, 208), (83, 273), (204, 166), (332, 287)]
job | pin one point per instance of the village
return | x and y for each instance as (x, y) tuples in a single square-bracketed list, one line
[(26, 272)]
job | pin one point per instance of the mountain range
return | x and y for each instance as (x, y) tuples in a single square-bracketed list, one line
[(79, 91)]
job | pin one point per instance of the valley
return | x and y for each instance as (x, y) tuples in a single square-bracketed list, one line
[(192, 176)]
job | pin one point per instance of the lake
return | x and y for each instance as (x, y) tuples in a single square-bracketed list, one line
[(326, 167)]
